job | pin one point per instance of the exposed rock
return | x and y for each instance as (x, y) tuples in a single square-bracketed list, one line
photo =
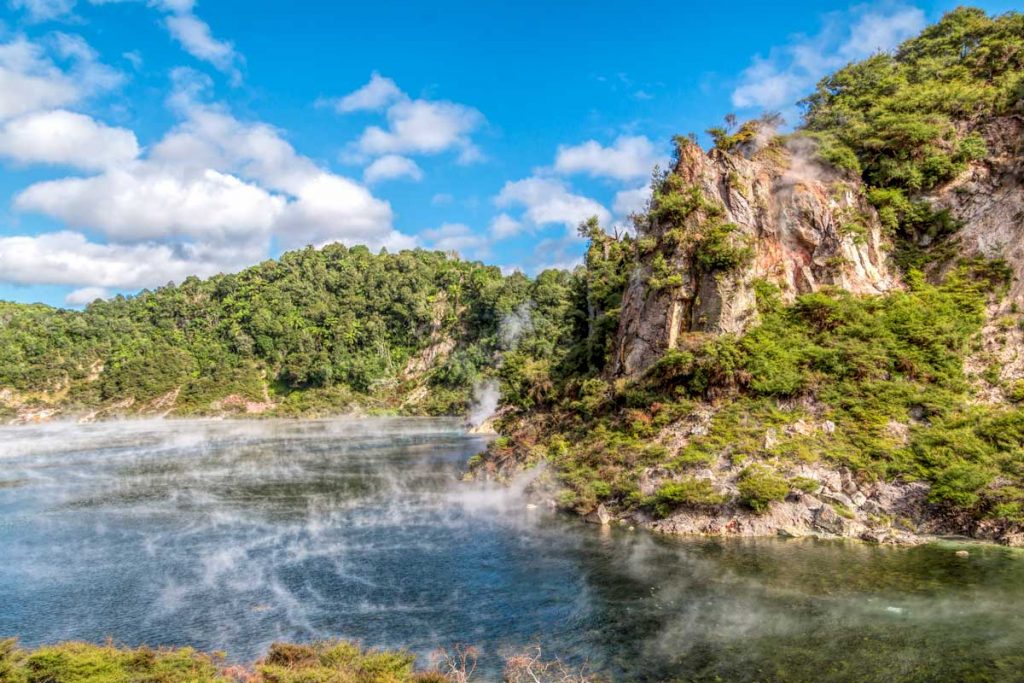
[(807, 228), (987, 198), (599, 516), (829, 521)]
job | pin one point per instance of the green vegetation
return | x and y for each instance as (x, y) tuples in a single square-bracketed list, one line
[(867, 362), (885, 374), (316, 331), (898, 119), (85, 663), (333, 661), (759, 487), (686, 491)]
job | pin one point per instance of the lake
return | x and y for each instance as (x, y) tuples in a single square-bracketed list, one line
[(230, 535)]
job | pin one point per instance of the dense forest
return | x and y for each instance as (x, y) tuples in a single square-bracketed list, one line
[(317, 331), (329, 330)]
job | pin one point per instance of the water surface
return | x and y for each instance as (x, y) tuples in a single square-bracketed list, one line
[(229, 535)]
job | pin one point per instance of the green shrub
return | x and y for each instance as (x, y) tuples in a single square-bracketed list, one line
[(805, 484), (721, 248), (759, 486), (959, 484), (686, 491)]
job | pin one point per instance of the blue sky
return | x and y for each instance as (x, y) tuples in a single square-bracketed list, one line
[(146, 140)]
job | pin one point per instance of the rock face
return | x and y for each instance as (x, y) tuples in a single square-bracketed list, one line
[(805, 229), (988, 199)]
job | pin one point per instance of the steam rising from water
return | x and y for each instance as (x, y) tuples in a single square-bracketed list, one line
[(486, 394), (228, 535), (485, 402)]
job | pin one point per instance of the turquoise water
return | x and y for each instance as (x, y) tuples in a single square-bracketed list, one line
[(229, 535)]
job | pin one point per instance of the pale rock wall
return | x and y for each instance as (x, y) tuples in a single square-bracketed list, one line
[(798, 219)]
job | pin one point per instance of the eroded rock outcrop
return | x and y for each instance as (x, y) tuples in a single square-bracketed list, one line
[(797, 226), (987, 200)]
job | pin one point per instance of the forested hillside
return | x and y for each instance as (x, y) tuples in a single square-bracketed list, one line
[(317, 332)]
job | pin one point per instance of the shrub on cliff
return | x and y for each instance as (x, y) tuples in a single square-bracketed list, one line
[(759, 486)]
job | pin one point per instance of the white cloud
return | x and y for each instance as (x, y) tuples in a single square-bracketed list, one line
[(548, 200), (208, 197), (29, 81), (458, 238), (44, 10), (86, 71), (790, 71), (330, 208), (628, 202), (414, 126), (85, 295), (192, 33), (64, 137), (68, 258), (504, 226), (322, 206), (375, 95), (628, 158), (391, 167), (196, 38), (442, 199), (424, 127), (146, 202)]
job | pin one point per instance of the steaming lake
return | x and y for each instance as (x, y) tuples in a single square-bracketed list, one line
[(229, 535)]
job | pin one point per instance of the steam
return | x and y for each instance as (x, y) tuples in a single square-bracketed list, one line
[(804, 167), (227, 535), (514, 325), (487, 394)]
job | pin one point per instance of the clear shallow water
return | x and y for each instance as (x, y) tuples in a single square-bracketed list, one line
[(229, 535)]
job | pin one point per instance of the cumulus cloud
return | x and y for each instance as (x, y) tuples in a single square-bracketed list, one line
[(504, 226), (209, 197), (85, 295), (30, 80), (68, 258), (144, 201), (458, 238), (66, 138), (330, 208), (414, 126), (373, 96), (628, 202), (391, 167), (423, 127), (788, 72), (548, 200), (628, 158)]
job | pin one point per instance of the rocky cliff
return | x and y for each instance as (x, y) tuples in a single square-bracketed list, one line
[(987, 200), (795, 224)]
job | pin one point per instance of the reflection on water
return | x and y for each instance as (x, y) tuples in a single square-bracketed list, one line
[(228, 535)]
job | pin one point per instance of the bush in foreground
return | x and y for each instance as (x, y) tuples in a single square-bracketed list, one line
[(333, 661)]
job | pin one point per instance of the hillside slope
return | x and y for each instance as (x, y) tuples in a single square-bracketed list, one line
[(319, 331), (816, 333)]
